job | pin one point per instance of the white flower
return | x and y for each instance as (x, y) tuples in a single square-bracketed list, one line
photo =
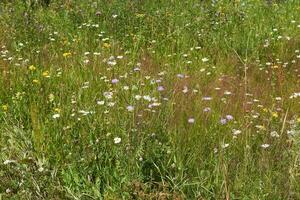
[(147, 98), (100, 102), (117, 140), (130, 108), (55, 116), (191, 120), (138, 97), (224, 146), (185, 89), (205, 59), (236, 132), (265, 146), (274, 134), (6, 162)]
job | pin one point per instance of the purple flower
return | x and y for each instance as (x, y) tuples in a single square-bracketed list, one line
[(160, 88), (114, 81), (229, 117), (223, 121)]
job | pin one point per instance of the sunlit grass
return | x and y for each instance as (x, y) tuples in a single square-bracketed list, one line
[(150, 100)]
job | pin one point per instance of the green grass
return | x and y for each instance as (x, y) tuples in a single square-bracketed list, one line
[(67, 131)]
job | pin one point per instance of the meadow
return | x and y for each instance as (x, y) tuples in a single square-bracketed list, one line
[(150, 99)]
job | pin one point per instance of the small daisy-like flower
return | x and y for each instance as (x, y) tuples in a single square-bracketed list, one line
[(191, 120), (224, 146), (55, 116), (229, 117), (100, 102), (205, 60), (185, 89), (130, 108), (138, 97), (265, 146), (236, 132), (223, 121), (274, 134), (117, 140)]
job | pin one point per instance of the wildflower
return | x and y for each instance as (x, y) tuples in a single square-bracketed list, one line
[(207, 109), (265, 146), (4, 107), (51, 97), (185, 89), (147, 97), (55, 116), (111, 104), (236, 132), (35, 81), (160, 88), (205, 60), (67, 54), (138, 97), (191, 120), (117, 140), (46, 74), (32, 68), (274, 114), (130, 108), (207, 98), (223, 121), (274, 134), (114, 81), (224, 146), (100, 102), (229, 117), (112, 61)]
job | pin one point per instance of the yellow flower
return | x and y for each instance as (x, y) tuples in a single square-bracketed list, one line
[(67, 54), (35, 81), (298, 120), (4, 107), (106, 45), (140, 15), (57, 110), (275, 114), (32, 68), (46, 74), (265, 110)]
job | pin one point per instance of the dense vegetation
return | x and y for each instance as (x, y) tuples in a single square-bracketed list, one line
[(131, 99)]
